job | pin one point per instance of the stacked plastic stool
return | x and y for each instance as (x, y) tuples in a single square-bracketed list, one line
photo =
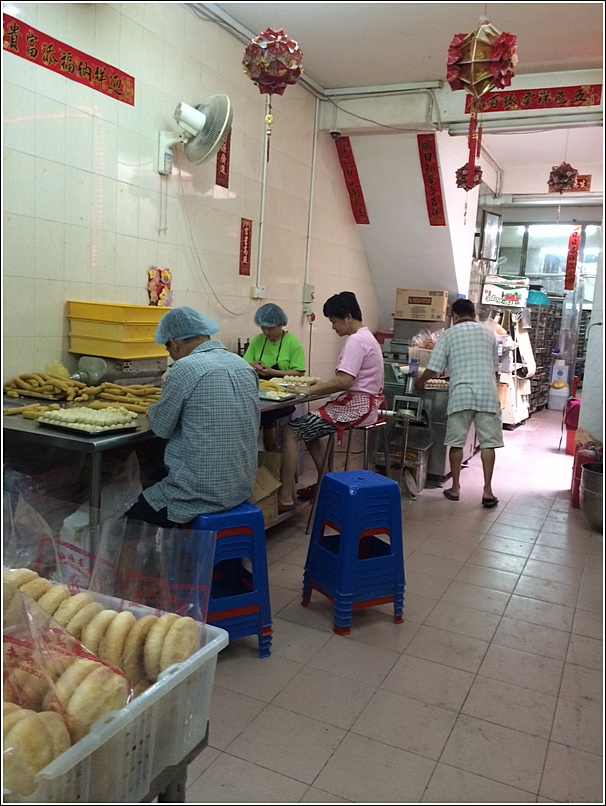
[(347, 560), (239, 597)]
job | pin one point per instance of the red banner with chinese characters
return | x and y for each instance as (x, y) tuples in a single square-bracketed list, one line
[(582, 184), (23, 40), (222, 167), (431, 179), (352, 180), (571, 258), (245, 245), (546, 98)]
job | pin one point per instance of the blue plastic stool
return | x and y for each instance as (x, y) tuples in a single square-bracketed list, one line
[(239, 598), (355, 568)]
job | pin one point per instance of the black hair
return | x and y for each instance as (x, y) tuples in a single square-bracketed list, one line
[(464, 307), (341, 305)]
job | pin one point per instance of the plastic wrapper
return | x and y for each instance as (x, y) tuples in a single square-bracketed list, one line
[(425, 339)]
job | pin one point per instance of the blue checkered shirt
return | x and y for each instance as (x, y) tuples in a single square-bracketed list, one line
[(209, 413), (469, 351)]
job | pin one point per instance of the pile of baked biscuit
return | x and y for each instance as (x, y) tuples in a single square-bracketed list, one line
[(84, 662)]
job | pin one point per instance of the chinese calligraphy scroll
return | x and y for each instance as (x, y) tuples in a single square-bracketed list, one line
[(245, 245), (34, 46), (352, 180), (571, 258), (521, 100), (222, 167), (431, 179)]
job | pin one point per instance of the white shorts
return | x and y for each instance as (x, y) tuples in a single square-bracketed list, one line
[(488, 428)]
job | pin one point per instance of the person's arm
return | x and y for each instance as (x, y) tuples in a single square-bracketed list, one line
[(340, 383), (165, 414)]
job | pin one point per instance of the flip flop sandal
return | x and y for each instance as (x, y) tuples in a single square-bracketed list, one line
[(489, 503), (450, 496), (282, 508), (307, 493)]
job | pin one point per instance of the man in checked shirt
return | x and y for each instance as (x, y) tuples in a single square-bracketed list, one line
[(209, 414), (470, 352)]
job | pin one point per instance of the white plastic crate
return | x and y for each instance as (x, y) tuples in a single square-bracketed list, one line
[(127, 749)]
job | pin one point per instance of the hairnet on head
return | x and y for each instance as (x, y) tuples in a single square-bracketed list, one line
[(184, 323), (270, 315)]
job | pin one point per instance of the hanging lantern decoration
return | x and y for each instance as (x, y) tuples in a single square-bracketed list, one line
[(462, 176), (478, 62), (273, 61), (562, 178)]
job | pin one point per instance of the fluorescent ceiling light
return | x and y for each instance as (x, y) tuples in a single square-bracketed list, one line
[(528, 125), (543, 200)]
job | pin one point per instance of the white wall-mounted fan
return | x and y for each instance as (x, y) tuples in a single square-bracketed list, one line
[(205, 127)]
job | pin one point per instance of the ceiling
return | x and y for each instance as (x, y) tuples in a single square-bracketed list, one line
[(376, 44)]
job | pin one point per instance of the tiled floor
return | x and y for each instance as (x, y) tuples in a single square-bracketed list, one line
[(489, 692)]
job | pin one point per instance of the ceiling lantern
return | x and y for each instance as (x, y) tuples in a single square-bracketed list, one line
[(479, 62), (562, 178), (462, 177)]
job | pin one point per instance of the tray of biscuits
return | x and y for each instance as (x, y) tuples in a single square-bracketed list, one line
[(135, 698)]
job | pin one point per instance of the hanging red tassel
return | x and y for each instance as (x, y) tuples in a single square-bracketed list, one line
[(471, 142), (479, 139)]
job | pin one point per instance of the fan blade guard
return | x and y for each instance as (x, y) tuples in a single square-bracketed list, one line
[(218, 114)]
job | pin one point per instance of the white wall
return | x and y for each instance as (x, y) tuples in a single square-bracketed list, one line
[(83, 202)]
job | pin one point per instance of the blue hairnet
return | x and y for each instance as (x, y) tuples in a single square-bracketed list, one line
[(270, 315), (184, 323)]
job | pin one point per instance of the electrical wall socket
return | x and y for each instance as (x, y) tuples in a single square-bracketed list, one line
[(258, 292), (308, 292)]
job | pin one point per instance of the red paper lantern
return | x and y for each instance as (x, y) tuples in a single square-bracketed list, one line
[(273, 61), (462, 177), (562, 177), (478, 62)]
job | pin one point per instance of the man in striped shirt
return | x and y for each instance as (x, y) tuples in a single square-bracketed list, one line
[(209, 414), (470, 353)]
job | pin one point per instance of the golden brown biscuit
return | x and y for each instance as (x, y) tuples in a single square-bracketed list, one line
[(33, 743), (35, 588), (51, 600), (69, 607), (134, 646), (9, 708), (10, 718), (100, 692), (182, 640), (67, 684), (153, 644), (95, 630), (83, 617), (140, 687), (25, 686), (112, 643), (19, 576)]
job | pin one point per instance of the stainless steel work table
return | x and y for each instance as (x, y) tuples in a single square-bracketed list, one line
[(96, 446)]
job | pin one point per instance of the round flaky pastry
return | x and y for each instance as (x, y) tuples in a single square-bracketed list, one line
[(67, 684), (95, 630), (134, 647), (83, 617), (51, 600), (19, 576), (153, 645), (31, 744), (101, 691), (35, 588), (112, 643), (182, 640), (69, 607)]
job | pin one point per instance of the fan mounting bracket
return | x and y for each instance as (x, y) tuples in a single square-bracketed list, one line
[(166, 141)]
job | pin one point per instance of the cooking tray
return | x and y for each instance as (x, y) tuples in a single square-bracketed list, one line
[(90, 432), (290, 396)]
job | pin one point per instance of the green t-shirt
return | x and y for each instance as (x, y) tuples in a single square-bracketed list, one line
[(288, 353)]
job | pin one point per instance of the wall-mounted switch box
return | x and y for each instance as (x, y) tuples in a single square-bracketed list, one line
[(308, 292), (258, 292)]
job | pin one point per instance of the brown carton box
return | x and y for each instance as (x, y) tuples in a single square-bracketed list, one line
[(423, 304), (267, 483)]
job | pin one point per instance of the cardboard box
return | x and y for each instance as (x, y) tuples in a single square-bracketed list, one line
[(505, 295), (423, 304), (266, 486)]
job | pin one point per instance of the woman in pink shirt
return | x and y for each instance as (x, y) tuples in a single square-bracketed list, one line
[(358, 380)]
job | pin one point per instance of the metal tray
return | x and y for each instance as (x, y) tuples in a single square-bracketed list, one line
[(263, 396), (90, 432)]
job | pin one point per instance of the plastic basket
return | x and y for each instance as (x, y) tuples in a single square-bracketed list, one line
[(421, 353), (127, 749), (115, 312)]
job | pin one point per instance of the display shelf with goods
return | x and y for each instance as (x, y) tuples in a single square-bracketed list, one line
[(544, 331), (579, 366)]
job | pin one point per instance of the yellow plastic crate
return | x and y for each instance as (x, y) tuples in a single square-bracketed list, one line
[(115, 331), (108, 348), (115, 312)]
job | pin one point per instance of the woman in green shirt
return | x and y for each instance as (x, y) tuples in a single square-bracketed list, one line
[(274, 353)]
